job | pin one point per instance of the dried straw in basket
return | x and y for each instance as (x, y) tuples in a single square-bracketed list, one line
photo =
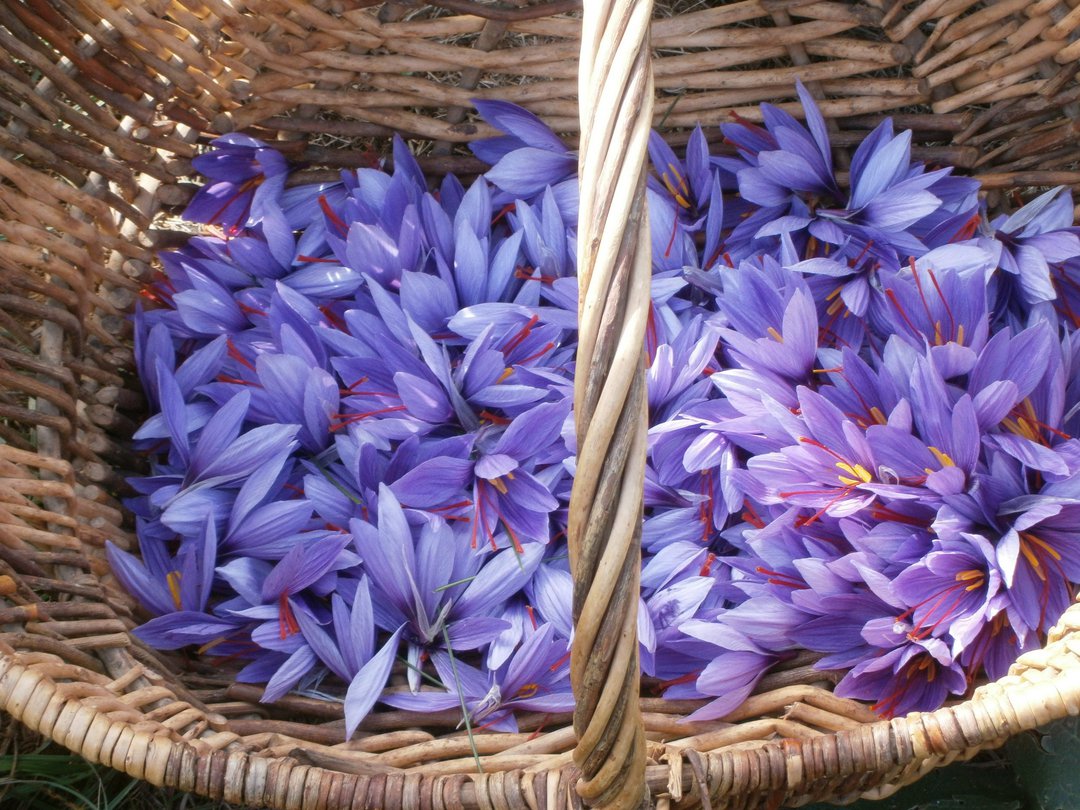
[(102, 105)]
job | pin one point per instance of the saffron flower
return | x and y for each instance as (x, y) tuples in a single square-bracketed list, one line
[(862, 402), (536, 677)]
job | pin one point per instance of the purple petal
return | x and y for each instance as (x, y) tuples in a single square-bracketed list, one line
[(256, 447), (495, 465), (527, 493), (823, 267), (365, 688), (504, 575), (176, 630), (882, 170), (507, 396), (423, 399), (423, 701), (474, 632), (325, 280), (174, 411), (358, 638), (269, 524), (1030, 454), (428, 300), (150, 592), (791, 171), (993, 403), (246, 576), (434, 482), (533, 430), (324, 646), (526, 171), (219, 433), (388, 553), (303, 565), (733, 675), (551, 594), (295, 667), (815, 123), (520, 123), (470, 265), (896, 211)]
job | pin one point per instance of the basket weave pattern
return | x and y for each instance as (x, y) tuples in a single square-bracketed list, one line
[(102, 104)]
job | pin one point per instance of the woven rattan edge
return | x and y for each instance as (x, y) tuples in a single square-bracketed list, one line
[(154, 753), (876, 759), (870, 761)]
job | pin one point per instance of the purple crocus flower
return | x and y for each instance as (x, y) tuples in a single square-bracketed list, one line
[(786, 159), (433, 583), (953, 590), (529, 158), (165, 583), (939, 300), (740, 647), (1036, 236), (1039, 555), (362, 434), (505, 492), (916, 676), (772, 321), (535, 678), (349, 651), (248, 177), (996, 647)]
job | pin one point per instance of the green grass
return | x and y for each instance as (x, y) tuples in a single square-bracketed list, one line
[(37, 775)]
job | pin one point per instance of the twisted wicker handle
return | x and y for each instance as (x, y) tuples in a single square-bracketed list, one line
[(615, 93)]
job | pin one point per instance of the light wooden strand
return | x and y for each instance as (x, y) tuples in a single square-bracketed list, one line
[(614, 268)]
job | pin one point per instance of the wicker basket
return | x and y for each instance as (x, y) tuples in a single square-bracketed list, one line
[(102, 105)]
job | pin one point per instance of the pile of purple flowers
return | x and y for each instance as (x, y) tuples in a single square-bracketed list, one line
[(862, 398)]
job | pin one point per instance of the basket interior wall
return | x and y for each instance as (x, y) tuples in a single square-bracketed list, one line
[(103, 103)]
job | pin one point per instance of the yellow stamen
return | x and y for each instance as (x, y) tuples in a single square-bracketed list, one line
[(499, 485), (938, 339), (960, 334), (1026, 423), (775, 335), (679, 197), (502, 377), (173, 580), (1038, 541), (210, 645), (834, 293), (943, 458), (1029, 555), (1012, 426), (972, 575), (682, 181), (528, 690), (835, 306), (879, 417), (859, 474)]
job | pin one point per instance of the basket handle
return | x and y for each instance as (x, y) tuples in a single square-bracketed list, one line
[(615, 89)]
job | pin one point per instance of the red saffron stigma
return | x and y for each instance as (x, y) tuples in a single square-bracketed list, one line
[(286, 619), (332, 215)]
